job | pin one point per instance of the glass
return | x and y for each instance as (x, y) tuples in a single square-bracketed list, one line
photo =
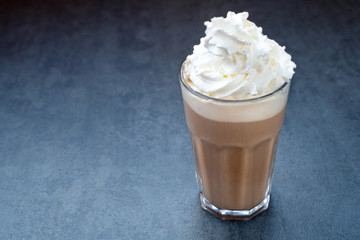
[(234, 144)]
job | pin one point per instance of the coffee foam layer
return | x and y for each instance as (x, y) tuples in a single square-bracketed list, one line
[(244, 111)]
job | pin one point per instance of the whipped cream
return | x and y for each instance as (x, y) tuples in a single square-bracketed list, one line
[(236, 61)]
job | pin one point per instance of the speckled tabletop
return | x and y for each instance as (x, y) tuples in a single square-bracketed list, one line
[(93, 139)]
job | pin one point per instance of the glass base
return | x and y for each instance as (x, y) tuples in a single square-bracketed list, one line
[(226, 214)]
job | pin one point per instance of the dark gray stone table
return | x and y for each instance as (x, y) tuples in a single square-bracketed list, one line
[(93, 139)]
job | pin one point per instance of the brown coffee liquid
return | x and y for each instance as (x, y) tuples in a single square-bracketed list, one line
[(234, 160)]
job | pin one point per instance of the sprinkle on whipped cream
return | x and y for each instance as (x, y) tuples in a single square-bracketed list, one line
[(236, 61)]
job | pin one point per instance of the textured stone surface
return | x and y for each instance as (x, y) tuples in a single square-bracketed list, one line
[(93, 139)]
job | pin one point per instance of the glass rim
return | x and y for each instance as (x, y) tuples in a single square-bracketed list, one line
[(201, 95)]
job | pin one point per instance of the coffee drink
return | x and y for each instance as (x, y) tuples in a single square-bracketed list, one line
[(234, 130), (243, 165)]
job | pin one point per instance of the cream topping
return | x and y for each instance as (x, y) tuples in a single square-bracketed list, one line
[(236, 61)]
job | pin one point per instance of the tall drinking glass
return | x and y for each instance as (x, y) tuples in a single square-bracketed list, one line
[(234, 144)]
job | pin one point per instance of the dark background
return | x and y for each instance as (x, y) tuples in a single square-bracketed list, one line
[(93, 139)]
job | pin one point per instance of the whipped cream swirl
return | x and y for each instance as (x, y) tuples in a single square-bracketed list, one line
[(236, 61)]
